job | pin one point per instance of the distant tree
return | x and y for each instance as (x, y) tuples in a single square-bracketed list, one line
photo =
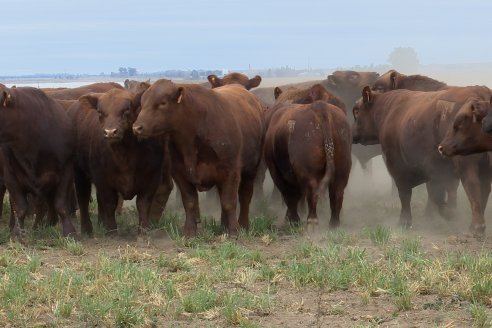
[(195, 75), (404, 59), (132, 71), (123, 71)]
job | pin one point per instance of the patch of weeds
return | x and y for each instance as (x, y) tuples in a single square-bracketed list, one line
[(34, 263), (402, 295), (4, 236), (261, 225), (338, 237), (74, 247), (199, 300), (379, 235), (479, 315), (170, 223)]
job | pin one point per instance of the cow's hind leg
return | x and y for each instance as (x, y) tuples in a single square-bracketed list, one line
[(312, 197), (405, 194), (436, 195), (83, 193), (246, 188), (291, 195), (61, 200)]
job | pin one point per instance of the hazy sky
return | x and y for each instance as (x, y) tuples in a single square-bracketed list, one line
[(93, 36)]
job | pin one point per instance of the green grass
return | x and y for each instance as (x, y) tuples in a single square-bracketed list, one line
[(379, 235), (213, 280)]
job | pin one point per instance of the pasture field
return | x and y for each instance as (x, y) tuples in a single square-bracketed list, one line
[(367, 274)]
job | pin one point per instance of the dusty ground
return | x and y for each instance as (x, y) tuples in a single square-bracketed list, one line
[(288, 303)]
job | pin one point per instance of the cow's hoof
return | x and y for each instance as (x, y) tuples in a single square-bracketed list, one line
[(333, 225), (478, 231), (189, 231), (447, 213), (405, 224), (312, 226), (19, 235)]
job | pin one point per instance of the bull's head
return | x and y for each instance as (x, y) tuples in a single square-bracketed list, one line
[(160, 105), (234, 78), (364, 130), (117, 110), (465, 136)]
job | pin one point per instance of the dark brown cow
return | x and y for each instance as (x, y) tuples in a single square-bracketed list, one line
[(409, 125), (466, 136), (234, 78), (393, 80), (110, 156), (346, 85), (76, 93), (307, 149), (37, 143), (216, 137)]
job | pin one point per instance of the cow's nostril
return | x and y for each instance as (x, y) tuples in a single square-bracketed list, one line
[(108, 133), (137, 129)]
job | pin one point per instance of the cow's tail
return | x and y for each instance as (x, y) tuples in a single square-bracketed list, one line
[(326, 126)]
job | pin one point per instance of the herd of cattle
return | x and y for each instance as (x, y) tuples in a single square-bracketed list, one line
[(136, 140)]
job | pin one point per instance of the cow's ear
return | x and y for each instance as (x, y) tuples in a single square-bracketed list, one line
[(6, 98), (254, 82), (214, 80), (277, 92), (179, 95), (367, 95), (394, 80), (89, 100), (127, 83), (136, 101), (479, 110)]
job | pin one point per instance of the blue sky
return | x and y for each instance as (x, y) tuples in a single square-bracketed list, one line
[(93, 36)]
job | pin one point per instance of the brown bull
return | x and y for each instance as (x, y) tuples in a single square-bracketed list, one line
[(76, 93), (216, 137), (409, 125), (234, 78), (466, 135), (111, 157), (307, 149), (36, 152), (393, 80)]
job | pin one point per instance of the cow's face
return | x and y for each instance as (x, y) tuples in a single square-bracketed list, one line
[(161, 104), (234, 78), (465, 136), (117, 110), (387, 82), (364, 129)]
